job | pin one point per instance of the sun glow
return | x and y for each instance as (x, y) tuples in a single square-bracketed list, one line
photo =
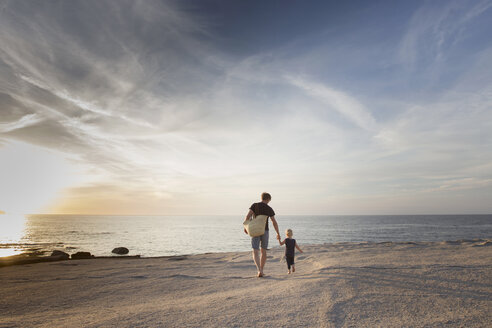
[(30, 178), (11, 234)]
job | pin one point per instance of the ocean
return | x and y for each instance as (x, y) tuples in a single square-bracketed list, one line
[(178, 235)]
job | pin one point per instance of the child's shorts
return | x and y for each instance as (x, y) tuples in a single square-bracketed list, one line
[(290, 260)]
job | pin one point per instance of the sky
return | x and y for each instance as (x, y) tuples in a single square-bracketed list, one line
[(196, 107)]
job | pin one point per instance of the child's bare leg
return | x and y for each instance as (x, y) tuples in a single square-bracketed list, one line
[(293, 268)]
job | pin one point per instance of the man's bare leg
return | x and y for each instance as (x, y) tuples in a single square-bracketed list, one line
[(256, 258), (263, 259)]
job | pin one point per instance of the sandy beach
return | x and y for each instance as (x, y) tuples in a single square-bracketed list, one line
[(446, 284)]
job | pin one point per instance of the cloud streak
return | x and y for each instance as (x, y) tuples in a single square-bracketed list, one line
[(155, 111), (346, 105), (24, 121)]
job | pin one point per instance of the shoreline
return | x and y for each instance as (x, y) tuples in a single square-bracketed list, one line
[(35, 257)]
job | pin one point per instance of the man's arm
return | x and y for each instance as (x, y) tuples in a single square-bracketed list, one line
[(297, 246), (275, 225), (248, 217)]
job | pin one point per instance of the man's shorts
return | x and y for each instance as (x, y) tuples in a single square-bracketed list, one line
[(263, 240)]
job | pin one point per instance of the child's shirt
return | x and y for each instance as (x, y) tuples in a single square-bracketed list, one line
[(290, 246)]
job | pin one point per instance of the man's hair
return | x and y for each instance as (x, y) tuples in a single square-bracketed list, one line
[(288, 232), (266, 196)]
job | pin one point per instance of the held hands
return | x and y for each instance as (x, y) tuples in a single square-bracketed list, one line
[(279, 241)]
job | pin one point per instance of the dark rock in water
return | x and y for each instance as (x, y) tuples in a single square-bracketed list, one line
[(82, 255), (62, 255), (120, 250)]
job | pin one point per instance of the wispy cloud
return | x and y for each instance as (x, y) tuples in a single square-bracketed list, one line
[(346, 105), (24, 121), (435, 28), (162, 116)]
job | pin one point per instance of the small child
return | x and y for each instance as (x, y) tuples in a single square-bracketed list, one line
[(290, 246)]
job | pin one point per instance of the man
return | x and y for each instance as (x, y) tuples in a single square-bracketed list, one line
[(262, 208)]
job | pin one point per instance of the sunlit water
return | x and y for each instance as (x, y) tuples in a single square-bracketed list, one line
[(11, 233), (176, 235)]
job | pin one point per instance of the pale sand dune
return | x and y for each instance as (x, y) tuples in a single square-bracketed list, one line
[(341, 285)]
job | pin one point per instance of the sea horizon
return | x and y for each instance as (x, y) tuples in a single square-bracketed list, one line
[(242, 214), (168, 235)]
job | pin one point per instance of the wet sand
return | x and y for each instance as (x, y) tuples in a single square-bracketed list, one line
[(447, 284)]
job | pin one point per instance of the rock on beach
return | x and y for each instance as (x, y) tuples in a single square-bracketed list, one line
[(62, 255), (82, 255), (120, 250)]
